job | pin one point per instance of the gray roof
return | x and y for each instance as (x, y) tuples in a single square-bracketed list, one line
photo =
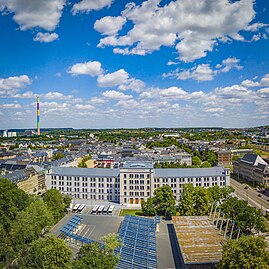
[(189, 172), (19, 175), (250, 158), (85, 172), (136, 165)]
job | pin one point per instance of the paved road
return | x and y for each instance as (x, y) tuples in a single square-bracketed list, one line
[(167, 252), (251, 195)]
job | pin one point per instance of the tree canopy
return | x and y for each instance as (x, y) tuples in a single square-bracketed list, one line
[(12, 201), (30, 223), (94, 256), (148, 207), (56, 203), (24, 218), (46, 253), (164, 201), (246, 253), (246, 217), (195, 201)]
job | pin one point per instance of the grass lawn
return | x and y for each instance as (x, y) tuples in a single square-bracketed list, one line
[(133, 212)]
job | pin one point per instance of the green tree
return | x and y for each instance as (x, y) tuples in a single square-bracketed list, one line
[(93, 256), (67, 201), (163, 199), (186, 204), (196, 161), (111, 241), (247, 218), (205, 164), (219, 194), (58, 156), (201, 201), (246, 253), (30, 223), (56, 203), (195, 201), (6, 249), (46, 253), (148, 208), (12, 201)]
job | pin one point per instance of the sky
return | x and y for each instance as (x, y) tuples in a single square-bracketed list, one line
[(130, 64)]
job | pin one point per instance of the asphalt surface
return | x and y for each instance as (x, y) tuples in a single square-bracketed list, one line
[(96, 226), (251, 195), (168, 256)]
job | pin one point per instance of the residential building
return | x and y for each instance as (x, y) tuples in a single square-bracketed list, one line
[(31, 180), (225, 157), (132, 183), (253, 169)]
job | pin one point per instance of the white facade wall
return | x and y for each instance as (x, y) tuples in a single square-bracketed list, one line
[(93, 188), (130, 187)]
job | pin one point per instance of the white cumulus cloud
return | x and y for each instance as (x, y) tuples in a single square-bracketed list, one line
[(88, 68), (113, 79), (192, 27), (109, 25), (29, 14), (204, 72), (45, 37), (89, 5), (115, 95), (15, 82)]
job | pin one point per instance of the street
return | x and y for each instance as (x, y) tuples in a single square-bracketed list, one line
[(249, 194)]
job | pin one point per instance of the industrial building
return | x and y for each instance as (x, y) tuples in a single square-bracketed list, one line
[(132, 183)]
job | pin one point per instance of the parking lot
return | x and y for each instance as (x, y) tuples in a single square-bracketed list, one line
[(92, 226), (97, 225)]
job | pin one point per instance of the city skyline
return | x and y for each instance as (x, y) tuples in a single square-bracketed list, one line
[(112, 64)]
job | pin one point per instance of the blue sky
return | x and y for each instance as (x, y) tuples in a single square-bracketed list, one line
[(109, 64)]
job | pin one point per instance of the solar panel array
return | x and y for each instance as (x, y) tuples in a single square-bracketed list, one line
[(71, 225), (69, 228), (138, 237)]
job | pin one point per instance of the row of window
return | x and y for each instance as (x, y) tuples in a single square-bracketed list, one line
[(186, 179), (94, 197), (156, 180), (85, 179), (136, 175)]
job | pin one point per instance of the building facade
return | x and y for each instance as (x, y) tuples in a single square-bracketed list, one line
[(225, 157), (132, 183), (253, 169)]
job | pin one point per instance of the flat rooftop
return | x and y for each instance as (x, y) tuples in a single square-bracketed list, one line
[(199, 241)]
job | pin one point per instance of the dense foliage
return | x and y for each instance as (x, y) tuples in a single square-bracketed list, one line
[(45, 253), (12, 201), (57, 203), (24, 218), (162, 203), (246, 253), (197, 201), (94, 256), (247, 218)]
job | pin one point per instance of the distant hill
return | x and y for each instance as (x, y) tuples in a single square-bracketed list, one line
[(42, 129)]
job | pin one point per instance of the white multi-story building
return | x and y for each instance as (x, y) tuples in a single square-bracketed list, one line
[(132, 183)]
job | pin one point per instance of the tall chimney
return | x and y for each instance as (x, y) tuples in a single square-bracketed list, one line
[(38, 115)]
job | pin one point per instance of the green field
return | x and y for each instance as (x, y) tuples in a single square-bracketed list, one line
[(133, 212)]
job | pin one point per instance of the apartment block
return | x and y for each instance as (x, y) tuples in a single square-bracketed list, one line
[(132, 183)]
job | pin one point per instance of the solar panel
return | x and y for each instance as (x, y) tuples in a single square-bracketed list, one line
[(139, 243)]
